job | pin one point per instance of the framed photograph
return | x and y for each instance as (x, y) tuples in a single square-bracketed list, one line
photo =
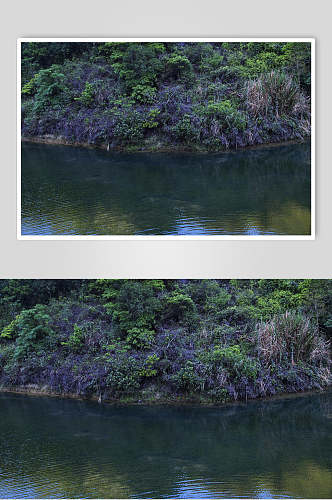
[(147, 349), (167, 138)]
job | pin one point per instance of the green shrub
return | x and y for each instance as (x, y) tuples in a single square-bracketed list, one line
[(211, 65), (245, 297), (30, 87), (315, 297), (134, 311), (140, 338), (87, 95), (226, 112), (202, 290), (144, 94), (262, 63), (117, 346), (124, 374), (50, 88), (219, 394), (106, 289), (178, 306), (10, 331), (239, 314), (129, 128), (140, 299), (215, 91), (178, 66), (76, 340), (151, 121), (298, 62), (279, 301), (197, 51), (217, 303), (6, 355), (136, 63), (187, 379), (185, 129), (149, 369), (235, 360), (32, 331)]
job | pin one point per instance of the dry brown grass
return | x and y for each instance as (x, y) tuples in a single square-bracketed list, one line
[(275, 93), (291, 337)]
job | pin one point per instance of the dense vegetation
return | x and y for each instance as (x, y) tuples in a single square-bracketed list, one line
[(152, 96), (208, 340)]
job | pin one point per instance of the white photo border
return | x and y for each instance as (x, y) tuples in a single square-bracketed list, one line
[(202, 237)]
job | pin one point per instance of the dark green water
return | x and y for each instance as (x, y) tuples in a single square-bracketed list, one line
[(52, 448), (76, 191)]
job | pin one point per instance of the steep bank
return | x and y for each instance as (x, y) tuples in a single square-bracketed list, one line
[(167, 96)]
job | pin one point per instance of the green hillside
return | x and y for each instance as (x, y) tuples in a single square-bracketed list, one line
[(166, 340), (166, 96)]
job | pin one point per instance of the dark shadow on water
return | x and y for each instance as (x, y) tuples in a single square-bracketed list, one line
[(77, 191)]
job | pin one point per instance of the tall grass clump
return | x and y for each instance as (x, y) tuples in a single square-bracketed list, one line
[(276, 93), (291, 337)]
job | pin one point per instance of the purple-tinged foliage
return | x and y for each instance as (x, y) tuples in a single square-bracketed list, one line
[(217, 340), (204, 97)]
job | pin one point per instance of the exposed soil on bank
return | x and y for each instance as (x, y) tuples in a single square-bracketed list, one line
[(61, 141), (45, 391)]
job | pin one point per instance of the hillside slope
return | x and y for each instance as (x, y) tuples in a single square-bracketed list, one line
[(166, 340), (166, 96)]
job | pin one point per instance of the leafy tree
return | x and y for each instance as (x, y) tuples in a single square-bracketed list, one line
[(50, 88), (31, 329), (178, 66)]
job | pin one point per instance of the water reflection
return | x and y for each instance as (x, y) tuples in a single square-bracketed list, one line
[(75, 191), (60, 448)]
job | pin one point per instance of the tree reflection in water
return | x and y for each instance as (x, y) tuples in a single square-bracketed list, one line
[(64, 448), (76, 191)]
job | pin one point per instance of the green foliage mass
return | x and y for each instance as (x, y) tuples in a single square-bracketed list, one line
[(50, 89), (178, 67), (87, 95), (31, 331), (207, 340), (237, 361), (190, 95), (76, 340), (144, 94), (179, 306)]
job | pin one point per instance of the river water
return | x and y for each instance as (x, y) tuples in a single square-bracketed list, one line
[(77, 191), (55, 448)]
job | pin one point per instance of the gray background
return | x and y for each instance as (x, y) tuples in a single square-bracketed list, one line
[(165, 259)]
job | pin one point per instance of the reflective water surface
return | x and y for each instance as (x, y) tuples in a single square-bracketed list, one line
[(77, 191), (54, 448)]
